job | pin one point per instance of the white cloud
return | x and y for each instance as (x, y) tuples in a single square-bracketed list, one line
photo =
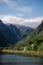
[(25, 9), (34, 22), (8, 2), (22, 11)]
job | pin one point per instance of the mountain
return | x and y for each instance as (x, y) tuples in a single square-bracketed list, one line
[(34, 41), (11, 34), (39, 28), (24, 30), (7, 36)]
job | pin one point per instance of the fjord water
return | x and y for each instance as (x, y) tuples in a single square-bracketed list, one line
[(12, 59)]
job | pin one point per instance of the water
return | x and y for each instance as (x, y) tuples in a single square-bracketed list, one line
[(12, 59)]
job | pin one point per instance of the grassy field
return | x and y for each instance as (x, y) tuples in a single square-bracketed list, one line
[(25, 53)]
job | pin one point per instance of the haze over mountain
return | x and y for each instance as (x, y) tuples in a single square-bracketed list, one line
[(32, 22), (11, 34)]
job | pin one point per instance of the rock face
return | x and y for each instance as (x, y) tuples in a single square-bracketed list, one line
[(11, 34)]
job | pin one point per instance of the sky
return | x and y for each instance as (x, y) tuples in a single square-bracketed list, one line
[(23, 12)]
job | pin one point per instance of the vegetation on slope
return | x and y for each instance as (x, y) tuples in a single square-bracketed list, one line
[(32, 42)]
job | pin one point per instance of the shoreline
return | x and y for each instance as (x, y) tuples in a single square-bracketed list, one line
[(25, 53)]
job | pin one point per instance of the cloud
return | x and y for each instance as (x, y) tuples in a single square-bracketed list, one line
[(20, 14), (8, 2), (25, 9), (18, 10), (34, 22)]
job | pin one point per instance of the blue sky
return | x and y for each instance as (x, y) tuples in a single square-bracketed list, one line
[(25, 9)]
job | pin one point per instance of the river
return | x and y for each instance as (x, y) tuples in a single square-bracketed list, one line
[(12, 59)]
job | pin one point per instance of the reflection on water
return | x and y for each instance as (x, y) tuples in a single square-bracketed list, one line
[(11, 59)]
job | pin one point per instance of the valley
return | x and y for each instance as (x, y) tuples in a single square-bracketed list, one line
[(31, 45)]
